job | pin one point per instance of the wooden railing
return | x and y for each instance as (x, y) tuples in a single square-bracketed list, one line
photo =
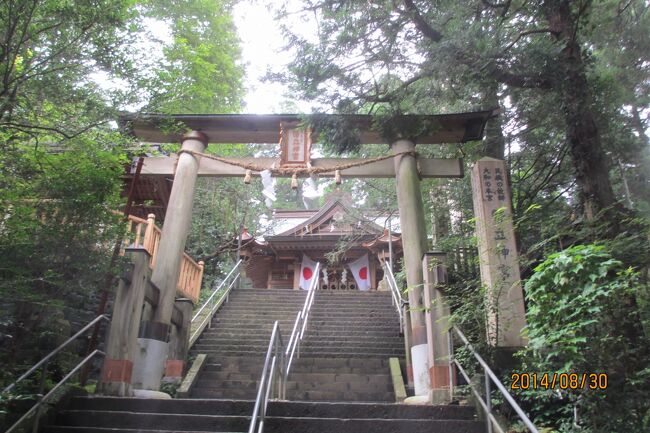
[(145, 234)]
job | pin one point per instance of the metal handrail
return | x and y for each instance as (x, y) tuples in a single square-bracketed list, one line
[(397, 299), (49, 356), (299, 326), (215, 305), (490, 377), (273, 364), (278, 359), (43, 363), (43, 399)]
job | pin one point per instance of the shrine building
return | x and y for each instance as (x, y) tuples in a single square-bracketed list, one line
[(296, 238)]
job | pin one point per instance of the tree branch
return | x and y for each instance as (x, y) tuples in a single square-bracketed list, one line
[(420, 23), (529, 32), (517, 80)]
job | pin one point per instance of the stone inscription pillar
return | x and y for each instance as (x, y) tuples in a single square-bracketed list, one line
[(498, 253), (154, 335), (437, 319), (411, 216)]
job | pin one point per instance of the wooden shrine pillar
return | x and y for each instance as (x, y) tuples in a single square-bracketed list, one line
[(296, 274), (122, 342), (154, 334), (411, 215), (498, 254), (437, 320)]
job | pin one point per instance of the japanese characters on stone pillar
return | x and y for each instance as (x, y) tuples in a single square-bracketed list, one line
[(498, 253)]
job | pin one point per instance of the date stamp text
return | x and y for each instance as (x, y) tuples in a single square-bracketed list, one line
[(565, 381)]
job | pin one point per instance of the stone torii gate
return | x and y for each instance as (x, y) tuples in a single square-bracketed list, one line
[(203, 129)]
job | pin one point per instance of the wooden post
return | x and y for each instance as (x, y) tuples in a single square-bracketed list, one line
[(122, 342), (372, 262), (199, 280), (437, 319), (498, 257), (154, 335), (179, 343), (296, 275), (414, 239), (149, 240)]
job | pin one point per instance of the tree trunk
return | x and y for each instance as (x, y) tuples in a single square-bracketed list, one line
[(591, 169), (494, 143), (440, 221)]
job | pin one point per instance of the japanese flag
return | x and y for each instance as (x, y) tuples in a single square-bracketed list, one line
[(361, 270), (307, 272)]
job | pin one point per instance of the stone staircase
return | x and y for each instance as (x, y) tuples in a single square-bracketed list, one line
[(237, 341), (341, 382), (344, 357)]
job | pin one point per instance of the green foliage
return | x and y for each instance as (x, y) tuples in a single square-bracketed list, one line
[(584, 315), (200, 73), (170, 388), (68, 68), (423, 57)]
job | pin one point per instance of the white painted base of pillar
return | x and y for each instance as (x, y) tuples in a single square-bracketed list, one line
[(149, 364), (417, 400), (420, 360), (144, 393)]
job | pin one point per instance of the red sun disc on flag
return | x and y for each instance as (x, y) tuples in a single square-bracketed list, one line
[(307, 273), (363, 273)]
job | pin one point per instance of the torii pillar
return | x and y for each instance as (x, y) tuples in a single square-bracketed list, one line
[(154, 334), (412, 224)]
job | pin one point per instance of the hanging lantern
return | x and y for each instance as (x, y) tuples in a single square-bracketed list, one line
[(337, 176), (294, 182), (247, 177)]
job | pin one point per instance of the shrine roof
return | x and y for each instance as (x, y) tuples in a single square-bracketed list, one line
[(265, 128), (333, 212)]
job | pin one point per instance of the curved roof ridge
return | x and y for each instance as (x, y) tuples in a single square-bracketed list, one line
[(322, 215)]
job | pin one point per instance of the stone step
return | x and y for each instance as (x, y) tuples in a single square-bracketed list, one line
[(155, 421), (365, 353), (291, 317), (311, 425), (313, 327), (358, 387), (353, 293), (292, 314), (255, 370), (253, 334), (360, 342), (311, 378), (306, 361), (326, 395), (298, 395), (130, 415), (275, 408), (77, 429), (263, 306), (334, 339)]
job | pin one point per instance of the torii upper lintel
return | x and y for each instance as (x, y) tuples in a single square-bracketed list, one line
[(264, 128)]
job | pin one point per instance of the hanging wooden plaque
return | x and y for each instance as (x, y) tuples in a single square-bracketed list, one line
[(295, 145)]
